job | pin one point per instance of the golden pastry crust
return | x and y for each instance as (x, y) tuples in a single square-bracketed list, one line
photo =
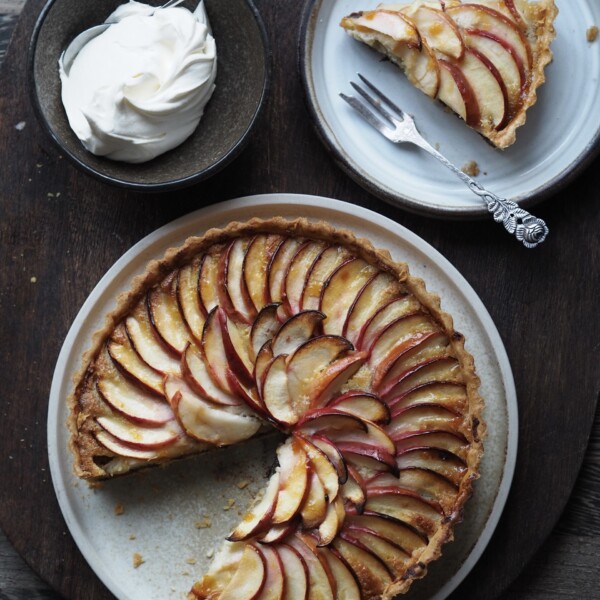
[(86, 407)]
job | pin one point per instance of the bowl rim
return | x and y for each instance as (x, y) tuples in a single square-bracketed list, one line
[(171, 184)]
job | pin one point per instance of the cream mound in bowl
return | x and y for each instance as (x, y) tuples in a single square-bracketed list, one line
[(163, 104)]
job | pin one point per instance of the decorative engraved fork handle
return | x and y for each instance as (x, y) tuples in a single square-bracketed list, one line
[(528, 229)]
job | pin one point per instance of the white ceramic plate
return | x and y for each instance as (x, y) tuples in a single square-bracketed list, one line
[(162, 506), (560, 137)]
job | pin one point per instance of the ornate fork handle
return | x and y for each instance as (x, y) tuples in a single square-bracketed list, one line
[(528, 229)]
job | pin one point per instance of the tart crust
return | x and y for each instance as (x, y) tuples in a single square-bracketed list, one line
[(85, 406)]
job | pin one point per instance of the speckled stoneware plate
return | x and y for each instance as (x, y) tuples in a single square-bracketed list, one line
[(162, 507), (242, 85), (560, 138)]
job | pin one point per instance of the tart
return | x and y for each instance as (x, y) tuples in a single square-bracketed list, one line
[(483, 59), (303, 328)]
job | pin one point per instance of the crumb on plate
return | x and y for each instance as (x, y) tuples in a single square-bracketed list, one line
[(119, 509), (137, 560), (206, 522), (592, 33), (471, 168)]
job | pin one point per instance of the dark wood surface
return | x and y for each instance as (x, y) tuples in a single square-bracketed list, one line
[(60, 231)]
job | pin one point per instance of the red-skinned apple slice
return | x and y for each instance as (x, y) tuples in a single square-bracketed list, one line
[(294, 472), (364, 405), (322, 466), (424, 417), (259, 516), (249, 578), (329, 260), (166, 317), (249, 395), (388, 23), (347, 586), (213, 348), (437, 461), (333, 454), (475, 16), (327, 420), (439, 31), (447, 395), (420, 66), (334, 519), (237, 350), (390, 528), (188, 296), (144, 339), (377, 292), (340, 291), (133, 402), (264, 328), (274, 581), (456, 93), (275, 394), (203, 420), (373, 435), (296, 331), (297, 274), (354, 490), (373, 573), (308, 361), (393, 310), (259, 254), (127, 359), (263, 361), (209, 282), (277, 533), (197, 375), (453, 443), (320, 580), (295, 571), (139, 437), (314, 508), (352, 449), (110, 442), (508, 9), (279, 266)]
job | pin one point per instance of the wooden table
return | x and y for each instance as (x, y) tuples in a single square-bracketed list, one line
[(55, 247)]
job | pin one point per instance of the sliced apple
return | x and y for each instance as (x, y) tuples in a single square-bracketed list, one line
[(329, 420), (420, 66), (347, 586), (209, 282), (127, 359), (453, 443), (259, 516), (446, 395), (437, 461), (203, 420), (314, 508), (439, 31), (424, 417), (237, 349), (166, 317), (274, 581), (213, 349), (340, 291), (144, 339), (319, 579), (296, 331), (471, 16), (137, 436), (294, 472), (352, 449), (113, 444), (295, 573), (264, 328), (378, 291), (249, 578), (275, 393), (333, 454), (364, 405), (354, 490), (456, 93), (372, 435), (279, 266), (263, 361), (390, 28), (236, 281), (329, 260), (393, 310), (197, 375), (131, 401), (322, 466), (188, 296), (259, 254), (297, 273), (334, 519)]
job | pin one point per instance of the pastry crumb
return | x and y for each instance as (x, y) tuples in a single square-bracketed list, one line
[(471, 168), (132, 536), (206, 522), (185, 573), (137, 560), (190, 561), (592, 33), (230, 504), (20, 125), (243, 484), (119, 509), (210, 553), (33, 279)]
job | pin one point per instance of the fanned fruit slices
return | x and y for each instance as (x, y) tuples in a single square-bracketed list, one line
[(483, 59), (299, 327)]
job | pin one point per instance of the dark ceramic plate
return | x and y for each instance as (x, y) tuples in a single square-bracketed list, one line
[(242, 85)]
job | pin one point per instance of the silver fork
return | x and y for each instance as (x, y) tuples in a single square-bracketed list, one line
[(399, 127)]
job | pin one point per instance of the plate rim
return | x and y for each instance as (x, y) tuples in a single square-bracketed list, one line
[(136, 252), (551, 187)]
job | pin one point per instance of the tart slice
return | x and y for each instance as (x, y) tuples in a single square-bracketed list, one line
[(483, 59), (302, 328)]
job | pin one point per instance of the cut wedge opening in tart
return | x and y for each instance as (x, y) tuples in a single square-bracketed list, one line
[(302, 328), (484, 59)]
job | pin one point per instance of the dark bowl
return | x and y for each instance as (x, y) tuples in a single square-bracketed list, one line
[(242, 85)]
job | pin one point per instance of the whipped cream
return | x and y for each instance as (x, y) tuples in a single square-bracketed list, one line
[(140, 87)]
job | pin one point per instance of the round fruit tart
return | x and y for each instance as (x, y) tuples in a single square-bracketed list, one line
[(484, 59), (302, 328)]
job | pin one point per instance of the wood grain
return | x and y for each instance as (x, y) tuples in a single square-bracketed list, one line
[(60, 231)]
